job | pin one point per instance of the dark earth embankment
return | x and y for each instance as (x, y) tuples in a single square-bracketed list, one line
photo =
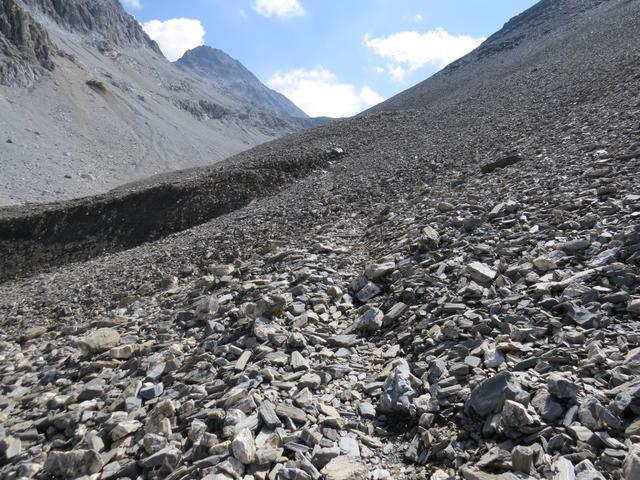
[(43, 236)]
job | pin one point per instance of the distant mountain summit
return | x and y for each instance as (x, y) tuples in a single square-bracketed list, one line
[(88, 102), (229, 75)]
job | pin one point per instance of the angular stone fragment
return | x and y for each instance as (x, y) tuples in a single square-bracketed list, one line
[(207, 305), (10, 447), (632, 360), (561, 387), (515, 415), (32, 333), (124, 429), (580, 315), (288, 411), (299, 362), (369, 291), (503, 162), (349, 447), (99, 341), (429, 239), (370, 321), (631, 464), (168, 456), (562, 469), (73, 464), (490, 395), (374, 271), (548, 409), (397, 392), (310, 380), (481, 272), (123, 352), (522, 459), (394, 314), (345, 468), (244, 447), (574, 246), (268, 414)]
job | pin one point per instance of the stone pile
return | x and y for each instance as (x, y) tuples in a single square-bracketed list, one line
[(428, 306), (505, 349)]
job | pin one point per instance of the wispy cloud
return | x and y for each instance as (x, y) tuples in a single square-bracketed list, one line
[(279, 8), (319, 92), (175, 36), (409, 51), (132, 3)]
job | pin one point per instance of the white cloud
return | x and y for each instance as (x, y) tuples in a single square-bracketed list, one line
[(410, 51), (418, 18), (318, 92), (279, 8), (132, 3), (175, 36)]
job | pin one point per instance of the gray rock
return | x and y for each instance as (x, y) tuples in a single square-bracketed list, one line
[(345, 468), (398, 392), (244, 447), (515, 415), (429, 239), (522, 459), (99, 341), (10, 447), (574, 246), (349, 446), (369, 291), (490, 395), (562, 469), (481, 272), (545, 405), (374, 271), (367, 410), (561, 387), (370, 321), (124, 429), (631, 464), (168, 456), (73, 464), (493, 358)]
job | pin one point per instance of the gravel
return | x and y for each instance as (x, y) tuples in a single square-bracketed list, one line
[(488, 351)]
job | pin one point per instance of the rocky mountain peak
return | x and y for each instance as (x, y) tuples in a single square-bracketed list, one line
[(236, 80), (102, 19)]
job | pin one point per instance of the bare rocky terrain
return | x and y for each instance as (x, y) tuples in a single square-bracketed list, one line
[(445, 287), (88, 103)]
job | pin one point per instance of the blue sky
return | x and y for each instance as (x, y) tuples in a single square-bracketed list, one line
[(331, 57)]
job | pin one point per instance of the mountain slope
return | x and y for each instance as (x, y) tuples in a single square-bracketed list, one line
[(103, 107), (446, 291), (519, 52), (234, 79)]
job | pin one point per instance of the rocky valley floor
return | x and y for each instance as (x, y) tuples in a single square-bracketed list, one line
[(456, 297), (416, 321)]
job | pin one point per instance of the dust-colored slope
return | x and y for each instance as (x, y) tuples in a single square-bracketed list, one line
[(139, 115)]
